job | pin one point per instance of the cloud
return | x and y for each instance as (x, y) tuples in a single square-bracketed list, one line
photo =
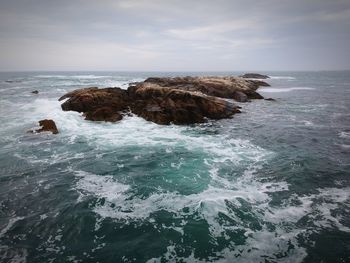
[(214, 30), (174, 34)]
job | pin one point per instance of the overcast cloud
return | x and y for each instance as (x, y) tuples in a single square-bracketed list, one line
[(174, 35)]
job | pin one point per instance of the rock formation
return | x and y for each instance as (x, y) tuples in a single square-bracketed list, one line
[(181, 100)]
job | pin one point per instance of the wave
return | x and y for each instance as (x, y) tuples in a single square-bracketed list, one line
[(344, 135), (285, 89), (345, 146), (282, 77), (10, 224), (72, 76)]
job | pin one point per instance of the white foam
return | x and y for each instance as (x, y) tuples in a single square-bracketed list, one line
[(71, 76), (308, 123), (212, 202), (285, 89), (89, 77), (132, 131), (10, 224), (345, 146), (282, 77), (101, 186), (344, 135), (138, 208), (136, 131)]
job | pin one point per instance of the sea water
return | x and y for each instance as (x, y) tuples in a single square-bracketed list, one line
[(272, 184)]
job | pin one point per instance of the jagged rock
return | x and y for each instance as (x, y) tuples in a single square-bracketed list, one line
[(35, 92), (254, 76), (47, 126)]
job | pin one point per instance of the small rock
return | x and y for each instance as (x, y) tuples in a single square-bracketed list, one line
[(270, 99), (35, 92), (254, 76), (47, 125)]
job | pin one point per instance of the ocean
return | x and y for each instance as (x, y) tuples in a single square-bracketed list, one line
[(272, 184)]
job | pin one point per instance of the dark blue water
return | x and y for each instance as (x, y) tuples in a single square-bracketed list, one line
[(270, 185)]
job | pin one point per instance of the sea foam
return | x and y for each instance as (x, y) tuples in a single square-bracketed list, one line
[(285, 89)]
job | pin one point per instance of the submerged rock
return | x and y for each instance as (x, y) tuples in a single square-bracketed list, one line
[(47, 126), (270, 99), (254, 76), (35, 92), (181, 100)]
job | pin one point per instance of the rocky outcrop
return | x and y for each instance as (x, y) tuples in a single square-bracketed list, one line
[(47, 126), (254, 76), (181, 100)]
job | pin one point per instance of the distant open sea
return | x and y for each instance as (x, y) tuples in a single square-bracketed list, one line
[(272, 184)]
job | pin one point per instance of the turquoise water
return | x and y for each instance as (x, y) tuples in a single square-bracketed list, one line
[(270, 185)]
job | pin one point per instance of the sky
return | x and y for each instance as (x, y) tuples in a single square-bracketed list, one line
[(174, 35)]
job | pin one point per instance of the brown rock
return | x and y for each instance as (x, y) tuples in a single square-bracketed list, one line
[(165, 105), (91, 99), (103, 114), (47, 125)]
